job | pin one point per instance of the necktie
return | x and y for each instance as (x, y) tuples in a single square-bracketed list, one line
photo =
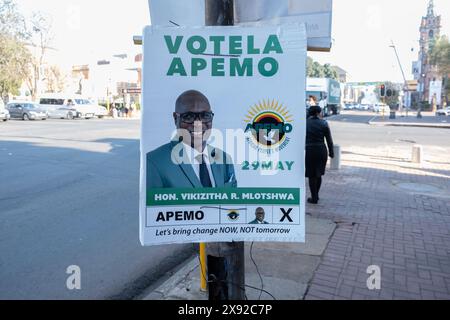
[(204, 174)]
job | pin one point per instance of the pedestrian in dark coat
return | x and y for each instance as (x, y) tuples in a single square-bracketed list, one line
[(317, 131)]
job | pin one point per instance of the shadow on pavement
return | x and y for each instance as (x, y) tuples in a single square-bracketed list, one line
[(66, 204)]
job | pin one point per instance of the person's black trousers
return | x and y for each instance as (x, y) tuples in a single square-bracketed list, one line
[(314, 185)]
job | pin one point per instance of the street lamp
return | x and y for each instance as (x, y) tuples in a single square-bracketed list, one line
[(405, 85)]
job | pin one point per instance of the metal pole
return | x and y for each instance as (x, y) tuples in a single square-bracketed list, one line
[(226, 263), (203, 271), (405, 86)]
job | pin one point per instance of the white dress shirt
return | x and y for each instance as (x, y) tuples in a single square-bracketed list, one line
[(193, 155)]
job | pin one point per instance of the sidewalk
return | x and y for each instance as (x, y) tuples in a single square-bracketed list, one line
[(428, 120), (380, 209), (286, 268)]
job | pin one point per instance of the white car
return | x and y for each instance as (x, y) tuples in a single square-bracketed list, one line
[(52, 102), (443, 112), (4, 114), (100, 112), (64, 112)]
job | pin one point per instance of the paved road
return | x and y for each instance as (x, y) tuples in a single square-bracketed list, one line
[(69, 196), (351, 128)]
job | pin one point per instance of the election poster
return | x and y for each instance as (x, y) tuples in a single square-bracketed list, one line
[(223, 134)]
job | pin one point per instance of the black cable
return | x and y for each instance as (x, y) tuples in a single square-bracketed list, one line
[(257, 270), (238, 285), (251, 287)]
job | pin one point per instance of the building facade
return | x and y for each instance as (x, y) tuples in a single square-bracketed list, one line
[(424, 72)]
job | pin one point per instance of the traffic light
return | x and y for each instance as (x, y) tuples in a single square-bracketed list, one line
[(383, 90)]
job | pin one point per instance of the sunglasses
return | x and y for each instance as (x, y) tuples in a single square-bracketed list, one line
[(191, 117)]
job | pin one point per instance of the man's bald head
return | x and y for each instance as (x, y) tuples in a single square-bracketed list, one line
[(192, 101), (260, 214), (194, 133)]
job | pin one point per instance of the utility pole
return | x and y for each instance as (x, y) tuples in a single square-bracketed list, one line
[(226, 261), (405, 86)]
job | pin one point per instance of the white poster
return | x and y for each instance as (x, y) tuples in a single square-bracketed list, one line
[(317, 15), (223, 135), (177, 13), (435, 92)]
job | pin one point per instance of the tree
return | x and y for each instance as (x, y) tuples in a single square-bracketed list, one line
[(394, 90), (14, 61), (440, 57), (316, 70), (56, 80), (12, 23), (330, 72), (14, 56), (309, 66), (40, 31)]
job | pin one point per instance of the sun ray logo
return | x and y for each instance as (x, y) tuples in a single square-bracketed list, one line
[(268, 124)]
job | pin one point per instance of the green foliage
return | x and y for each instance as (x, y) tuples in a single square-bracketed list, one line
[(12, 23), (316, 70), (14, 62), (329, 71), (393, 100), (14, 56), (425, 106), (440, 55)]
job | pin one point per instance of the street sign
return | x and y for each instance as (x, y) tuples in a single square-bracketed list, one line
[(132, 91), (223, 134)]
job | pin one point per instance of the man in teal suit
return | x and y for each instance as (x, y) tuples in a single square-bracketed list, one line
[(260, 215), (189, 162)]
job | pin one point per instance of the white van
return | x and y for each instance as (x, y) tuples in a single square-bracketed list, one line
[(54, 103)]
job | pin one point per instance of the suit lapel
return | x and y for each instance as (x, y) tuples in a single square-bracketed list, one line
[(186, 167), (190, 174), (217, 169), (218, 174)]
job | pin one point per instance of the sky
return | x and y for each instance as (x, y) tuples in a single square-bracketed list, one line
[(91, 30)]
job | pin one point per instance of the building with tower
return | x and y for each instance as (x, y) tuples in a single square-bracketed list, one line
[(427, 75)]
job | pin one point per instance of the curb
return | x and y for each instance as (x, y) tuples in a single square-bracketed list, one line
[(417, 125), (185, 279)]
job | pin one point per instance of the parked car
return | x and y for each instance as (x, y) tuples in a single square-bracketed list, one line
[(100, 111), (4, 113), (64, 112), (26, 110), (364, 107), (443, 112), (52, 102)]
